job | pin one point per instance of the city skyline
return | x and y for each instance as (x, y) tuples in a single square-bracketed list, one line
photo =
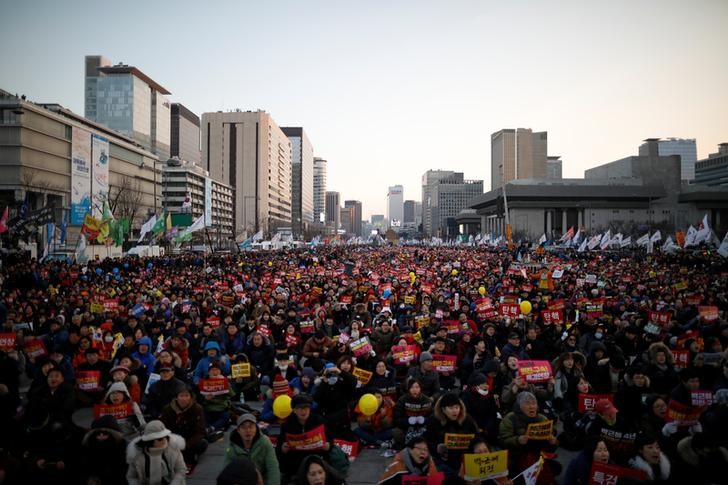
[(379, 79)]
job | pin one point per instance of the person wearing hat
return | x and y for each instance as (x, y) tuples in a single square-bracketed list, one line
[(155, 457), (661, 369), (103, 456), (134, 422), (301, 420), (450, 417), (185, 417), (217, 406), (480, 404), (240, 471), (246, 441), (161, 392), (279, 387), (514, 347), (92, 364), (336, 388), (619, 434), (426, 375)]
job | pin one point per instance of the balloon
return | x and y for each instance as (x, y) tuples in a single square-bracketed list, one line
[(481, 290), (99, 271), (282, 406), (126, 265), (526, 307), (412, 275), (387, 293), (368, 404), (115, 270), (270, 264), (454, 272)]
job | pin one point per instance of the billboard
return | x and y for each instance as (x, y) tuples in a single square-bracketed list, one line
[(80, 174), (208, 201), (100, 180)]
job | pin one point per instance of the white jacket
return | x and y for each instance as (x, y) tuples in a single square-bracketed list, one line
[(167, 463)]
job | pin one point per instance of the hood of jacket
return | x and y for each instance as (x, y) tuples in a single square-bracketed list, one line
[(117, 387), (116, 436), (134, 448), (212, 345), (659, 346), (440, 413), (145, 341)]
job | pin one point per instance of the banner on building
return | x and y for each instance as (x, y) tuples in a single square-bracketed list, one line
[(100, 178), (80, 175)]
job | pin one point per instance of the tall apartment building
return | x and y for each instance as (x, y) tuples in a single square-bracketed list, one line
[(686, 148), (395, 207), (554, 168), (333, 210), (185, 134), (319, 189), (357, 216), (446, 197), (248, 151), (713, 171), (301, 179), (517, 154), (123, 98)]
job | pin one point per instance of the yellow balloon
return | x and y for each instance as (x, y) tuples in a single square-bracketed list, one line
[(412, 274), (270, 263), (481, 290), (454, 272), (526, 307), (368, 404), (282, 407)]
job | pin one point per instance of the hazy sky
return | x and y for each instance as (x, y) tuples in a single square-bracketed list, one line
[(389, 89)]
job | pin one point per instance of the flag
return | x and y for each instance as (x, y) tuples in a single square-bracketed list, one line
[(606, 239), (50, 234), (616, 240), (80, 246), (158, 227), (530, 474), (197, 225), (24, 207), (690, 238), (542, 239), (680, 238), (576, 238), (626, 242), (63, 228), (568, 236), (183, 237), (656, 237), (118, 229), (582, 248), (594, 242), (258, 236), (168, 221), (670, 246), (643, 240), (723, 249), (276, 238), (147, 226), (703, 234), (4, 221), (91, 227), (187, 204)]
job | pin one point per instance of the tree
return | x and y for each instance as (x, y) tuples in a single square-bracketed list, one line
[(125, 199)]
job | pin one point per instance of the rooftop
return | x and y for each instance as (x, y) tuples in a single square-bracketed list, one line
[(124, 69)]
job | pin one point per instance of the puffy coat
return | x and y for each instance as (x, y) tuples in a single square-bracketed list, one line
[(261, 453), (164, 463)]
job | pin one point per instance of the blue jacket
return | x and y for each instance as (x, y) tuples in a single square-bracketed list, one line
[(146, 359), (204, 364)]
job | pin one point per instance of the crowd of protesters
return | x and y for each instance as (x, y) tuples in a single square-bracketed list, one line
[(123, 371)]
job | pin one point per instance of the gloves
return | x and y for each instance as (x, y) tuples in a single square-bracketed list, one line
[(696, 428), (421, 419), (412, 419), (669, 429)]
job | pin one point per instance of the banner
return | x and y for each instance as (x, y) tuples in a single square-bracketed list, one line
[(588, 401), (708, 314), (360, 346), (435, 479), (605, 474), (311, 440), (118, 411), (681, 414), (458, 441), (7, 342), (661, 318), (540, 431), (100, 180), (363, 376), (485, 466), (214, 387), (88, 380), (550, 317), (240, 370), (80, 175), (534, 370), (350, 448), (208, 201), (444, 363), (509, 310), (403, 354)]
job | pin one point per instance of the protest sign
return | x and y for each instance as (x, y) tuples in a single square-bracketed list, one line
[(708, 314), (444, 363), (552, 317), (458, 441), (308, 441), (360, 346), (307, 327), (363, 376), (661, 318), (240, 370), (701, 398), (588, 401), (35, 348), (540, 431), (608, 474), (350, 448), (485, 466), (509, 310), (534, 370), (118, 411), (214, 387), (682, 414), (88, 380), (682, 357), (403, 354), (7, 342), (435, 479)]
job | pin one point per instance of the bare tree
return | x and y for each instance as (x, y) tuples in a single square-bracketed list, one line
[(125, 199)]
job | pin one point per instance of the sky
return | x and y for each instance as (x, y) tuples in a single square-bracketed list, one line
[(388, 89)]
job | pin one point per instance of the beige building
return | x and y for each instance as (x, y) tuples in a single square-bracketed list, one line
[(248, 151), (36, 144), (517, 154)]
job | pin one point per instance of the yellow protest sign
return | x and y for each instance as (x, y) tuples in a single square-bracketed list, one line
[(457, 441), (484, 466), (409, 300), (363, 376), (540, 431), (240, 370)]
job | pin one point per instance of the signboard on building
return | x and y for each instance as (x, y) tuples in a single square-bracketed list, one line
[(80, 175)]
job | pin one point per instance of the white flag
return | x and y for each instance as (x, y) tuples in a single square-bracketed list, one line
[(530, 474), (656, 237), (276, 238), (616, 240), (582, 248), (199, 224), (626, 242), (723, 249), (258, 236), (542, 239), (606, 239), (691, 236), (703, 234), (643, 240), (81, 247), (594, 242), (670, 246), (577, 238), (146, 227)]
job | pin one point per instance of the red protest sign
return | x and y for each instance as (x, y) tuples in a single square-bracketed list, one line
[(444, 363), (708, 314), (263, 330), (681, 413), (214, 321), (534, 370), (214, 387), (7, 341), (292, 340), (360, 346), (552, 317), (119, 411), (559, 304), (403, 354), (311, 440), (660, 318), (35, 348), (682, 357), (435, 479), (509, 310), (484, 309), (307, 327), (111, 304), (588, 401), (88, 380), (606, 474), (350, 448), (453, 326)]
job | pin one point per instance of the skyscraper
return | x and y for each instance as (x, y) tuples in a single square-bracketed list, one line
[(248, 151), (125, 99), (185, 134), (395, 207), (333, 212), (517, 154), (676, 146), (302, 212), (409, 212), (356, 205), (319, 189), (446, 197), (429, 179)]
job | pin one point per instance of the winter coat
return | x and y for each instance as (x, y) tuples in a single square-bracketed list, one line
[(261, 453), (201, 371), (187, 422), (408, 407), (160, 394), (513, 425), (639, 463), (483, 410), (403, 465), (104, 459), (706, 465), (438, 425), (133, 424), (663, 378), (146, 359), (430, 380), (333, 401), (152, 466)]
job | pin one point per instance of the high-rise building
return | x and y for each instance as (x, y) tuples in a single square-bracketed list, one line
[(125, 99), (517, 154), (447, 195), (713, 171), (319, 189), (248, 151), (346, 215), (395, 207), (378, 222), (333, 212), (676, 146), (409, 211), (185, 134), (356, 206), (302, 211), (553, 168)]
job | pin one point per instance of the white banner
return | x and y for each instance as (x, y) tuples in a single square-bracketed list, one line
[(80, 174), (100, 181)]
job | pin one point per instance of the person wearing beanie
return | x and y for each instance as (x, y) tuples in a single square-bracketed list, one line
[(332, 395), (103, 453), (246, 441), (155, 457), (450, 417), (410, 413), (133, 423), (279, 387), (480, 404), (184, 416), (305, 382), (427, 376)]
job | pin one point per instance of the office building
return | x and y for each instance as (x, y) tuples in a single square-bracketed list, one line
[(395, 207), (553, 168), (447, 196), (185, 135), (676, 146), (302, 207), (123, 98), (713, 171), (517, 154), (357, 216), (319, 189), (346, 216), (333, 210), (249, 152), (429, 179), (409, 212)]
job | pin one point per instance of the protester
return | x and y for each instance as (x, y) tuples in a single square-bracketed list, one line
[(414, 459), (246, 441), (155, 458)]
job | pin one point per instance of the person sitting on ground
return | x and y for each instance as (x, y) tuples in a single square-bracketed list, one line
[(478, 446), (315, 471), (132, 424), (449, 418), (426, 375), (155, 458), (103, 459), (217, 406), (247, 441), (185, 417), (578, 471), (410, 413), (376, 429), (650, 459), (414, 459)]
